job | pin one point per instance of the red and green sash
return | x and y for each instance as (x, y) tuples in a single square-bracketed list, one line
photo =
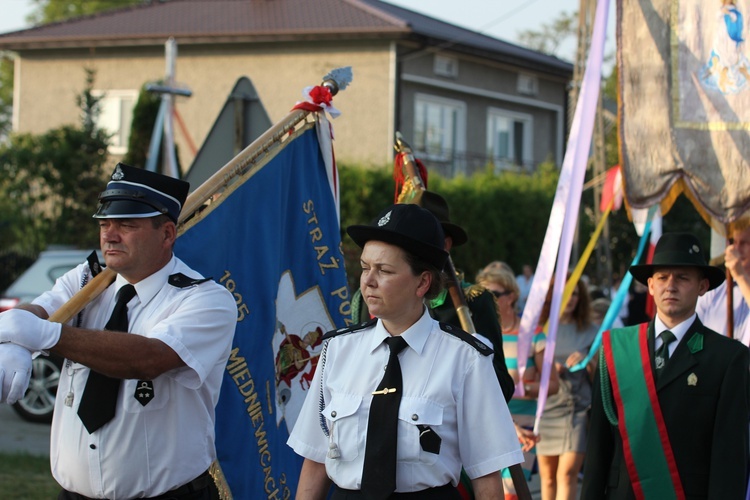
[(648, 453)]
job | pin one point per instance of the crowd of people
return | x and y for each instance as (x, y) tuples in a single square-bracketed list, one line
[(415, 401)]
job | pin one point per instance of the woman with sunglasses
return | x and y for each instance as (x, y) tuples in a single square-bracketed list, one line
[(564, 423), (502, 285)]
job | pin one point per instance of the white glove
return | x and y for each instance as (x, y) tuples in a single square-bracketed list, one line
[(15, 372), (28, 330)]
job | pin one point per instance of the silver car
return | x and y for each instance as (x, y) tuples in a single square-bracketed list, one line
[(39, 402)]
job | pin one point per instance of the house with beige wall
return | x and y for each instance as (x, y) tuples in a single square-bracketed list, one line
[(460, 98)]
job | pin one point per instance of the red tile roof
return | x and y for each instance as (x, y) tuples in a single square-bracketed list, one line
[(211, 19), (233, 21)]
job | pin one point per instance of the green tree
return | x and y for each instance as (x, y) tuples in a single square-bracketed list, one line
[(145, 113), (6, 93), (49, 182), (550, 36), (48, 11)]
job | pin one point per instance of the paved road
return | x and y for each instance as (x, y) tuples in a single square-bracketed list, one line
[(19, 435)]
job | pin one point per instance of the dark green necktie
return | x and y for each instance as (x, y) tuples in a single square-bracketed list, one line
[(100, 394), (661, 356), (379, 470)]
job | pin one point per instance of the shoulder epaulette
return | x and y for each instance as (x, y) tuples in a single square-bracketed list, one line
[(179, 280), (94, 265), (477, 344), (349, 329), (471, 292)]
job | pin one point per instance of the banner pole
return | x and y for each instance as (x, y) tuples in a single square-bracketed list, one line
[(268, 140), (730, 290), (457, 295)]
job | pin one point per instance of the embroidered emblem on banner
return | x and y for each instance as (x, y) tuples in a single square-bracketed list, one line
[(301, 321)]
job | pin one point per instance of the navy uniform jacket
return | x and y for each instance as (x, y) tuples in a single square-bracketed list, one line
[(707, 423)]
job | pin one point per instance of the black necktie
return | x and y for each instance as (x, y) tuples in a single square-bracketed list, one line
[(661, 356), (100, 394), (379, 471)]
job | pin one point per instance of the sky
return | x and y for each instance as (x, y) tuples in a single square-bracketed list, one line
[(500, 19)]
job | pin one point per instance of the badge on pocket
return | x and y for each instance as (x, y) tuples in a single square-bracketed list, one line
[(428, 439), (144, 391)]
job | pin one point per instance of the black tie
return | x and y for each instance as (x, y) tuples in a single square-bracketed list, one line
[(661, 356), (100, 394), (379, 471)]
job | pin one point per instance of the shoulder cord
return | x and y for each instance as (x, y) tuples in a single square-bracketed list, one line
[(606, 390), (322, 404), (79, 318), (356, 304)]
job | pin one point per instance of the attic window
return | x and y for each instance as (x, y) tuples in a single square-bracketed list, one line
[(446, 66), (115, 114), (527, 84)]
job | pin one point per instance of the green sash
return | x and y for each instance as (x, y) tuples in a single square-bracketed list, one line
[(646, 448)]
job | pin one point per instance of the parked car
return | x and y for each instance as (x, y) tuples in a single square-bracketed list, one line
[(39, 402)]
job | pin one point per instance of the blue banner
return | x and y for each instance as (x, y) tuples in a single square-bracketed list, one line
[(274, 242)]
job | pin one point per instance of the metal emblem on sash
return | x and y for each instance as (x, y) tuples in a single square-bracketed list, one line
[(692, 379), (144, 391), (385, 219)]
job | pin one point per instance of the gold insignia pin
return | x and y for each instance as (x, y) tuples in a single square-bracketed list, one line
[(386, 390), (692, 379)]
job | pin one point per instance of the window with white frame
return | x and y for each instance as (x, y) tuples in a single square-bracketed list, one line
[(509, 137), (445, 66), (527, 84), (115, 116), (439, 127)]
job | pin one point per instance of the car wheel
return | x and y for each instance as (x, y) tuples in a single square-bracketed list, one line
[(38, 403)]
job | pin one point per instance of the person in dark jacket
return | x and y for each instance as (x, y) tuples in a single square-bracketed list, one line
[(671, 405)]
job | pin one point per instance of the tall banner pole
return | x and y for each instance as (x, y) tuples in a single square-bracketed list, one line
[(454, 287), (257, 150)]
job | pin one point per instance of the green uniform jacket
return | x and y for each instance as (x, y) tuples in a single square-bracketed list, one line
[(706, 419)]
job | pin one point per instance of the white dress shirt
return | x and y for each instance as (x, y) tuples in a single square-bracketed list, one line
[(679, 332), (448, 386), (146, 450)]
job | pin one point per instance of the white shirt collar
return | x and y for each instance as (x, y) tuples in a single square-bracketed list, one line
[(679, 331), (416, 335), (148, 287)]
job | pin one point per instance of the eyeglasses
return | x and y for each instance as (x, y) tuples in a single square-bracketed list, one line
[(497, 294)]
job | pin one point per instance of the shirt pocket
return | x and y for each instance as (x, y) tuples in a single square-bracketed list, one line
[(155, 392), (414, 413), (344, 426)]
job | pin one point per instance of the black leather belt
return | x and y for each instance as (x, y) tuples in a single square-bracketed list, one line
[(445, 492), (199, 483)]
